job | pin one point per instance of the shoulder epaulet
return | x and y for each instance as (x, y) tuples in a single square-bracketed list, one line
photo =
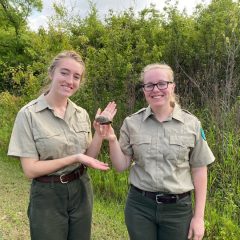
[(78, 108), (186, 111), (139, 111), (30, 103)]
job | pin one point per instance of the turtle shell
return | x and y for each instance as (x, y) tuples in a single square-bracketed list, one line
[(103, 120)]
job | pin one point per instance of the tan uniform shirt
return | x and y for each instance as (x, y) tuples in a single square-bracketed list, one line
[(38, 133), (163, 153)]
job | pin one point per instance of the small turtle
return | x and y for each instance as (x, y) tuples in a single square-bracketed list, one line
[(103, 120)]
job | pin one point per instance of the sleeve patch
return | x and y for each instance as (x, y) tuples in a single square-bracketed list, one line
[(203, 134)]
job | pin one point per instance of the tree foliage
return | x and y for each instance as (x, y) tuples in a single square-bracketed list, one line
[(14, 13)]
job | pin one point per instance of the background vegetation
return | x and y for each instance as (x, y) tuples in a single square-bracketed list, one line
[(204, 51)]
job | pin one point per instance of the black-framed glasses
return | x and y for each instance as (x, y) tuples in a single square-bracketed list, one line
[(148, 87)]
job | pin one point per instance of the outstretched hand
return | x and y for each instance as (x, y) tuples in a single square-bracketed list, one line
[(93, 163)]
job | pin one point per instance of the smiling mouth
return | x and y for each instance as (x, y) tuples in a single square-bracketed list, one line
[(157, 97), (66, 87)]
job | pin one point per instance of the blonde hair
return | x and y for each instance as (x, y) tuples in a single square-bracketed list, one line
[(66, 54), (174, 97), (157, 66)]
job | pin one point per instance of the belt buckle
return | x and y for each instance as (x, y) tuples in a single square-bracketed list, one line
[(158, 196), (61, 180)]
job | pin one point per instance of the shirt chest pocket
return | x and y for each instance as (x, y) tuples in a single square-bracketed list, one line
[(48, 142), (82, 130), (180, 146), (141, 148)]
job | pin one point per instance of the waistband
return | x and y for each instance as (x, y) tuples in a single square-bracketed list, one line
[(162, 197), (64, 178)]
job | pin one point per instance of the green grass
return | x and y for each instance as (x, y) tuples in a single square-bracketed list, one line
[(108, 222), (14, 199)]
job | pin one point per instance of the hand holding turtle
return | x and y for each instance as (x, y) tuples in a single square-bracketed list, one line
[(104, 118)]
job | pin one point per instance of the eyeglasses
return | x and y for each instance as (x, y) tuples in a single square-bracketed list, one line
[(148, 87)]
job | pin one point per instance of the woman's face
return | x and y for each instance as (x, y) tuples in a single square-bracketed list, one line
[(66, 77), (158, 98)]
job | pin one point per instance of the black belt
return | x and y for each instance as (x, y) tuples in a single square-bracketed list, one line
[(162, 197), (64, 178)]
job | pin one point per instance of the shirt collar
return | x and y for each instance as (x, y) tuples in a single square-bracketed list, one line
[(176, 114), (42, 104), (148, 112), (71, 108)]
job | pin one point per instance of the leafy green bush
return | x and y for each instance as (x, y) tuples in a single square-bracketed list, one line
[(9, 105)]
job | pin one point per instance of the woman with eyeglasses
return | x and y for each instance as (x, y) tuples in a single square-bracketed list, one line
[(52, 137), (167, 152)]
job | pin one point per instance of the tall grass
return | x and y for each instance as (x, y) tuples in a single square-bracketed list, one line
[(224, 188), (110, 184)]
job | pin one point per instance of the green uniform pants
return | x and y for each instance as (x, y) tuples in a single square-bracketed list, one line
[(61, 211), (146, 219)]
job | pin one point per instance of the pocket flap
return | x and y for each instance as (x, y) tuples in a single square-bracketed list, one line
[(137, 139), (81, 127), (182, 140)]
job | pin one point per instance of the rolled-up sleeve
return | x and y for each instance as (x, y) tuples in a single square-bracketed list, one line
[(22, 143), (201, 154), (124, 140)]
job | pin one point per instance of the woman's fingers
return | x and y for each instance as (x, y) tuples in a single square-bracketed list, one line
[(93, 163), (100, 165), (106, 116), (98, 112)]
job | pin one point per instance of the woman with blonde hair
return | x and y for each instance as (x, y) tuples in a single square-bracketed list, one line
[(167, 152), (52, 137)]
